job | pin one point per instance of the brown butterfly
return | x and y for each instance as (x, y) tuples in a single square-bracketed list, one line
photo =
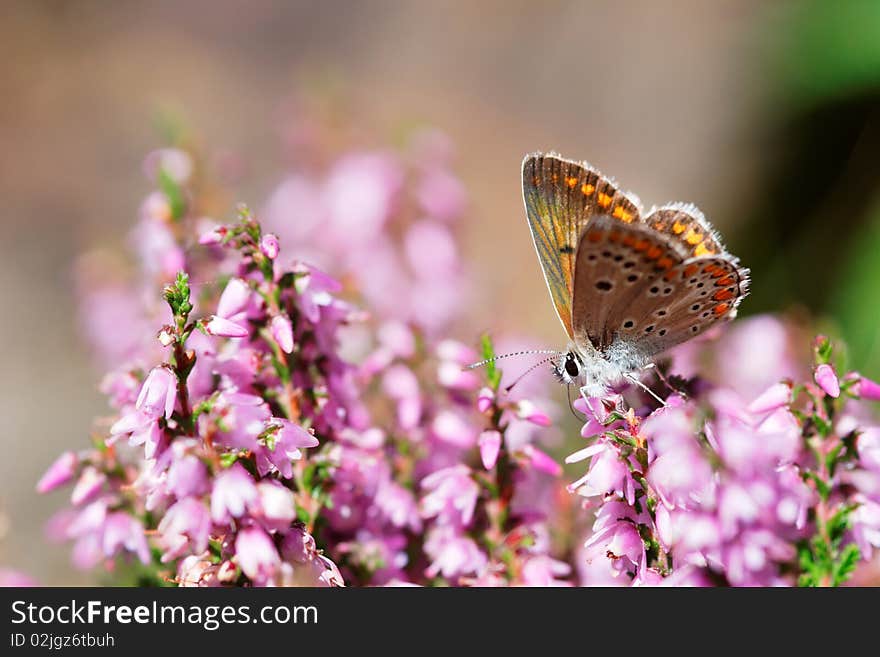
[(626, 286)]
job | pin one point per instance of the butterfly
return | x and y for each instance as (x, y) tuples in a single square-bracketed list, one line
[(626, 285)]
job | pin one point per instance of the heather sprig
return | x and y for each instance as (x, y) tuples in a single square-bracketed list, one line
[(780, 489)]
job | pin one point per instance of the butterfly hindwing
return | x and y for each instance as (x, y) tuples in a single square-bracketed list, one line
[(705, 291), (561, 198), (636, 287), (614, 263)]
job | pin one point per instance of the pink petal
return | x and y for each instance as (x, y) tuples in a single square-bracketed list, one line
[(223, 328), (490, 446), (827, 380)]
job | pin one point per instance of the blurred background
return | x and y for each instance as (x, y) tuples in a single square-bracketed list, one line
[(766, 115)]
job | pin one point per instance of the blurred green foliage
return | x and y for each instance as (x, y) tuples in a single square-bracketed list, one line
[(813, 238)]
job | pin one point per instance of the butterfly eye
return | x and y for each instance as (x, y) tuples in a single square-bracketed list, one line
[(571, 366)]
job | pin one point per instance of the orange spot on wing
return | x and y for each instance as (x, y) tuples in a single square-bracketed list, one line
[(723, 282), (669, 276), (654, 252), (723, 295), (604, 200), (614, 236), (678, 228), (622, 214), (571, 181), (702, 250), (664, 263), (641, 245), (587, 189), (629, 240), (721, 308), (692, 237), (690, 270), (594, 236)]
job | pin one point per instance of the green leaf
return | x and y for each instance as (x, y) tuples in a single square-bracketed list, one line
[(493, 374), (846, 564), (823, 488), (173, 193), (177, 296), (823, 426)]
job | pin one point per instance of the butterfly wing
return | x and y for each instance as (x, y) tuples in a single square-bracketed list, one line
[(686, 224), (614, 263), (561, 198), (638, 287)]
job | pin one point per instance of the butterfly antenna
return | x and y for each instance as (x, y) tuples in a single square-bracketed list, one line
[(510, 355), (529, 371)]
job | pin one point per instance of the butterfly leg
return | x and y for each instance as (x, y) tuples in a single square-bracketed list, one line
[(664, 380), (641, 385), (586, 398)]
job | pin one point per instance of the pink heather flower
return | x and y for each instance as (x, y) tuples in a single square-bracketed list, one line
[(543, 570), (398, 505), (607, 473), (256, 555), (234, 299), (275, 507), (233, 492), (123, 531), (528, 411), (542, 461), (89, 485), (158, 393), (451, 495), (490, 446), (452, 554), (184, 529), (173, 162), (223, 328), (397, 338), (269, 246), (868, 446), (197, 570), (240, 418), (213, 236), (401, 384), (289, 438), (187, 476), (451, 375), (441, 194), (776, 396), (431, 250), (282, 331), (485, 398), (361, 192), (616, 539), (59, 473), (866, 525), (827, 380), (456, 352), (867, 389), (10, 578), (450, 427)]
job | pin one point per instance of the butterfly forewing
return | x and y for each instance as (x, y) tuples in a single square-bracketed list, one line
[(561, 198)]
